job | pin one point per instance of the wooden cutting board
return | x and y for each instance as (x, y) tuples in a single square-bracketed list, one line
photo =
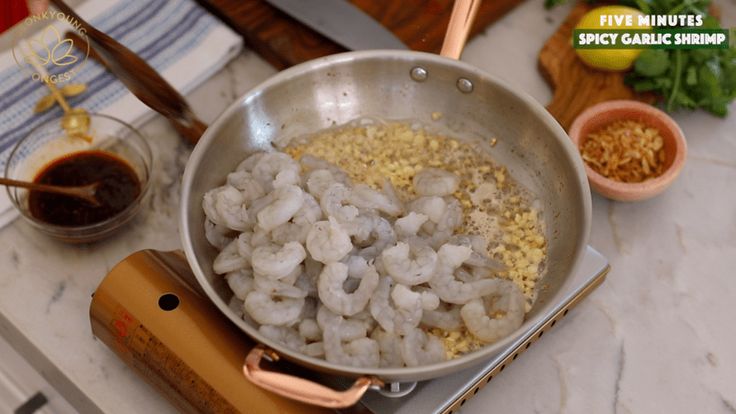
[(577, 86), (284, 42)]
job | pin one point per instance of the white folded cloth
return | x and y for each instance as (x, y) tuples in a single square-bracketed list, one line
[(178, 38)]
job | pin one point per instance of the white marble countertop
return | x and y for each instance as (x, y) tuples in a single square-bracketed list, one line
[(656, 337)]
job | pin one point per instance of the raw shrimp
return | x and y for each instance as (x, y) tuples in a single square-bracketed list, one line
[(298, 228), (409, 270), (236, 305), (478, 258), (359, 352), (310, 330), (382, 234), (260, 237), (311, 163), (393, 197), (259, 204), (380, 305), (217, 235), (276, 169), (240, 282), (390, 347), (269, 310), (451, 218), (449, 288), (445, 317), (287, 201), (420, 348), (363, 196), (333, 203), (277, 287), (358, 267), (308, 280), (315, 349), (410, 224), (229, 259), (284, 335), (432, 207), (362, 352), (408, 305), (327, 242), (250, 162), (248, 186), (365, 318), (349, 328), (309, 310), (310, 212), (361, 228), (245, 246), (290, 232), (226, 206), (435, 182), (276, 263), (479, 318), (286, 177), (319, 181), (375, 272), (334, 297), (464, 274), (396, 308)]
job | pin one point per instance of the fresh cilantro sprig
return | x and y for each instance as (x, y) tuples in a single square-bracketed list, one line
[(688, 78)]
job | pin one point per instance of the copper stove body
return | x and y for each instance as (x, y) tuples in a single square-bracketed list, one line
[(151, 312)]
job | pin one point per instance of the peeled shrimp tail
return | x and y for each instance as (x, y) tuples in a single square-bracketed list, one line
[(226, 206), (406, 269), (390, 347), (420, 348), (288, 200), (380, 305), (364, 197), (268, 310), (435, 182), (481, 315), (229, 259), (333, 295), (327, 242), (446, 317), (448, 287), (276, 262)]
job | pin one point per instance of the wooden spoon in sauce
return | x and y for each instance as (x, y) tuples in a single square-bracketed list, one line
[(85, 192)]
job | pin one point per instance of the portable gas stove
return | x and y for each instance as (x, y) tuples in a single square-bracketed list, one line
[(149, 309)]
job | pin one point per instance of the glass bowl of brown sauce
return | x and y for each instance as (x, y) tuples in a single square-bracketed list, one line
[(113, 154)]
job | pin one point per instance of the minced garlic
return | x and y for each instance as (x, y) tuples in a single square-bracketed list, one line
[(457, 343)]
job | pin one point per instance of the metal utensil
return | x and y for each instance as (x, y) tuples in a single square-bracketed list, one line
[(84, 192), (341, 22), (140, 78)]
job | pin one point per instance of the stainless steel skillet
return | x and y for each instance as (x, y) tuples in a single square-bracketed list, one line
[(392, 85)]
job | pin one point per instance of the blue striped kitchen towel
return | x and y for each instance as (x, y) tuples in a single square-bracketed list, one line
[(178, 38)]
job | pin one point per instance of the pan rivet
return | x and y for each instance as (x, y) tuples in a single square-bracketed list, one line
[(419, 74), (464, 85)]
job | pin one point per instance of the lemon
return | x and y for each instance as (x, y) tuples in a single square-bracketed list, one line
[(609, 59)]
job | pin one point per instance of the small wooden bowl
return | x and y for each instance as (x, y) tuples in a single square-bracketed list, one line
[(675, 147)]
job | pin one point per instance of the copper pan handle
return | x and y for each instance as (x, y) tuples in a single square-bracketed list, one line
[(301, 389), (461, 20)]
